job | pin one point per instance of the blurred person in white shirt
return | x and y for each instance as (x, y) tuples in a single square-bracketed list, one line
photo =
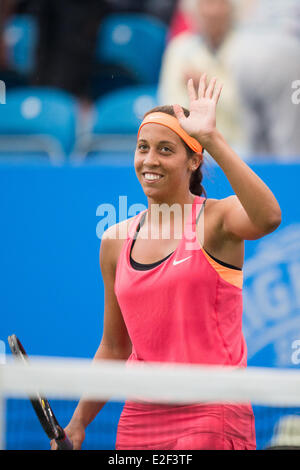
[(267, 68), (210, 49)]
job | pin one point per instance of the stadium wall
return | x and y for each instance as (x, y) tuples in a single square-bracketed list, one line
[(51, 286)]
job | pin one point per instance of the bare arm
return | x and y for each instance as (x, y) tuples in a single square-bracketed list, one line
[(253, 212), (115, 343)]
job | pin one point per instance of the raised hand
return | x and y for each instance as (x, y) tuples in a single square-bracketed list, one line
[(201, 122)]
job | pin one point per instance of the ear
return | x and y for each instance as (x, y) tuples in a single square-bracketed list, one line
[(195, 161)]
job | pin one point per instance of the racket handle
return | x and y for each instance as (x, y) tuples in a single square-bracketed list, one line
[(64, 443)]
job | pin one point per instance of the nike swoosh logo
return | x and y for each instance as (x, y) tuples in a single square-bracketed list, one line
[(181, 260)]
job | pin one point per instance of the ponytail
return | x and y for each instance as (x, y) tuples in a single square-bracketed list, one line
[(196, 187)]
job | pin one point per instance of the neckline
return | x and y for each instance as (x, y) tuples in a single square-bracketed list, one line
[(144, 266), (151, 266)]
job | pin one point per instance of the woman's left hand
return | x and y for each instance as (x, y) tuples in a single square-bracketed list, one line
[(201, 122)]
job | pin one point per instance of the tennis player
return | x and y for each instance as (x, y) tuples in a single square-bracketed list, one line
[(172, 299)]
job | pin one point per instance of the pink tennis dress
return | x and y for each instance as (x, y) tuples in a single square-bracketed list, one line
[(186, 309)]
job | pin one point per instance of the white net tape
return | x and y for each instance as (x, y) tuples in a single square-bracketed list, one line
[(162, 383)]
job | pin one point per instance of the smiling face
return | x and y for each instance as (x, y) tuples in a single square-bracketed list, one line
[(162, 164)]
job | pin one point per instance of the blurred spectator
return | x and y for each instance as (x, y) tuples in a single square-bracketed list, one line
[(269, 15), (182, 20), (67, 36), (286, 435), (161, 9), (65, 56), (6, 9), (209, 50), (267, 64)]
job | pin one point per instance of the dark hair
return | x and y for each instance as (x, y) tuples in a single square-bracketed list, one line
[(196, 187)]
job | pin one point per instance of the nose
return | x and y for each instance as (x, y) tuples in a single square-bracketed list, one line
[(151, 158)]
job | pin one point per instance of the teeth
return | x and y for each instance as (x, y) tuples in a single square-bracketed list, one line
[(151, 176)]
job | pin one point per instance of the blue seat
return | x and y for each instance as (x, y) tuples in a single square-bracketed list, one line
[(20, 36), (116, 119), (121, 112), (135, 42), (38, 121)]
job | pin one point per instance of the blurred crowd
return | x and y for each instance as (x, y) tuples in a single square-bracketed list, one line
[(67, 35), (252, 46)]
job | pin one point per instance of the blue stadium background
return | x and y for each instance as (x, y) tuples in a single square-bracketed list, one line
[(51, 286)]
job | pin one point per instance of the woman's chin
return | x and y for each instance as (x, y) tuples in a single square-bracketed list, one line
[(153, 193)]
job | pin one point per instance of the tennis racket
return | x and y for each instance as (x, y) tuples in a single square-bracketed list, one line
[(41, 405)]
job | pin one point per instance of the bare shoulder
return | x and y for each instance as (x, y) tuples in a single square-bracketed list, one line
[(112, 242), (118, 231), (221, 204), (215, 210), (217, 242)]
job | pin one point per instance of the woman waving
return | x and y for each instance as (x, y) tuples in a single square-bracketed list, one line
[(173, 287)]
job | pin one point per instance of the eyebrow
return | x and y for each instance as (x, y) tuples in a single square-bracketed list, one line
[(160, 142)]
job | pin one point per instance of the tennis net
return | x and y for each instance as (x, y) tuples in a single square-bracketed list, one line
[(274, 395)]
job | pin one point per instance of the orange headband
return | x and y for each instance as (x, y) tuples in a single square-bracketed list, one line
[(172, 123)]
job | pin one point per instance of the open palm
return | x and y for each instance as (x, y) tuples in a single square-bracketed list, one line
[(201, 122)]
